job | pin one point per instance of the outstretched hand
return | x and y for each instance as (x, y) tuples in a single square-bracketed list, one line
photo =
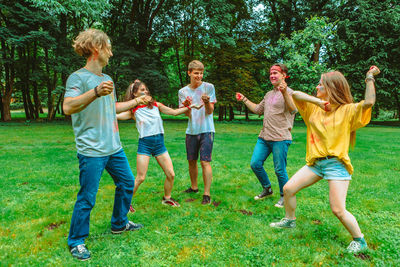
[(325, 105), (373, 70), (282, 87), (239, 97), (196, 106), (187, 102), (143, 99)]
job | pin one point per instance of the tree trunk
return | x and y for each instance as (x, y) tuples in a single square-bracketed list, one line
[(246, 111), (34, 83), (221, 113), (176, 48), (231, 114), (9, 70), (315, 55), (225, 113), (396, 96)]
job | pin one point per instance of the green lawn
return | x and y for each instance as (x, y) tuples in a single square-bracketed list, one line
[(39, 183)]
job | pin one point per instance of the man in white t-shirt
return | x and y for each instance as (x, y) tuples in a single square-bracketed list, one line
[(200, 130), (90, 99)]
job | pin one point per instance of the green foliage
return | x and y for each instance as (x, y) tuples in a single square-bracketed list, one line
[(238, 40), (367, 37), (298, 49)]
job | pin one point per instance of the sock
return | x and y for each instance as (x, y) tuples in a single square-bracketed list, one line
[(360, 239)]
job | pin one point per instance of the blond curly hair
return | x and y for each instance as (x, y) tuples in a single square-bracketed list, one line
[(88, 40)]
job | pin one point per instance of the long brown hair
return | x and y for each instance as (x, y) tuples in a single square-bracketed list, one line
[(133, 89), (338, 90)]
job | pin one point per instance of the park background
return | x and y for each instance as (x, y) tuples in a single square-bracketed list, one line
[(237, 40)]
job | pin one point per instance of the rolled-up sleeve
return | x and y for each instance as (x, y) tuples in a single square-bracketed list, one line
[(360, 116)]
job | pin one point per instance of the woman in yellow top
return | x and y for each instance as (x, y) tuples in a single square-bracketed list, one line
[(331, 119)]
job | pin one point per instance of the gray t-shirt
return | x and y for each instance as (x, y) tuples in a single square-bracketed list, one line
[(95, 127)]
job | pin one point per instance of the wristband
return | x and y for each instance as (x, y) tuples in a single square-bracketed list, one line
[(369, 79), (95, 92), (325, 106)]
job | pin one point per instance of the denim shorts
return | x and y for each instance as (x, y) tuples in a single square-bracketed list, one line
[(202, 143), (152, 145), (330, 169)]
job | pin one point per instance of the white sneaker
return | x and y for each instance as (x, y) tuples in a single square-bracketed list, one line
[(280, 203)]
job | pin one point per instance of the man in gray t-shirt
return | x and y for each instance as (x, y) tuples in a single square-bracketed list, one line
[(90, 100)]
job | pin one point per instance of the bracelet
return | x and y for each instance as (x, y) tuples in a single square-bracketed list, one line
[(95, 92), (369, 79), (245, 100)]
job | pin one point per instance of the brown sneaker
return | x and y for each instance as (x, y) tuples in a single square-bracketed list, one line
[(191, 190), (206, 200)]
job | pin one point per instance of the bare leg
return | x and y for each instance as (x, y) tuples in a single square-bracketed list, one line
[(193, 172), (142, 164), (337, 199), (302, 179), (207, 176), (165, 162)]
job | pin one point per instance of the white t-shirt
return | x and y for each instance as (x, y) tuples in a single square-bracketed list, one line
[(148, 121), (95, 127), (199, 122)]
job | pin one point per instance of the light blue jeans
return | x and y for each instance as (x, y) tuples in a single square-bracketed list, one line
[(91, 169), (261, 152)]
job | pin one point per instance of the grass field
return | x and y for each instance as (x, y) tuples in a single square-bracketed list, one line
[(39, 183)]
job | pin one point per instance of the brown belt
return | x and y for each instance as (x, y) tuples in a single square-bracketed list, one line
[(324, 158)]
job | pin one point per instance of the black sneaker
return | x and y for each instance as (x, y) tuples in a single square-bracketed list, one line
[(206, 200), (190, 190), (80, 252), (266, 192), (130, 226)]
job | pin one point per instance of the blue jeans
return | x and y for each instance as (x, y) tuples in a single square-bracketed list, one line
[(261, 152), (91, 169)]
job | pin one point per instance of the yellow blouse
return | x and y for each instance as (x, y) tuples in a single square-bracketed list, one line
[(328, 133)]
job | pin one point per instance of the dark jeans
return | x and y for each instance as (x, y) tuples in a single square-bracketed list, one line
[(91, 169), (261, 152)]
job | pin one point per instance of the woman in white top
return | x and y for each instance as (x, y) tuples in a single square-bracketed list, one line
[(151, 137)]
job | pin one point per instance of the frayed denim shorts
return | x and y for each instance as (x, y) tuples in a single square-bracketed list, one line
[(330, 169), (152, 145)]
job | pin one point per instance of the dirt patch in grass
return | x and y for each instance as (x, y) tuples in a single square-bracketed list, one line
[(216, 203), (190, 200), (53, 226), (246, 212), (363, 256)]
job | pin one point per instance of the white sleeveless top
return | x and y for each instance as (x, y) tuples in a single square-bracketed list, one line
[(148, 121)]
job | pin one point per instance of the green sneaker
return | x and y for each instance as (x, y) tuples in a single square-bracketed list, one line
[(284, 223), (357, 246)]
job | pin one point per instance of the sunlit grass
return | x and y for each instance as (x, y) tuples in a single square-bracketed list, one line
[(39, 183)]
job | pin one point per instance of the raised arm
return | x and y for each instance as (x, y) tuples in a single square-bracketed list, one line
[(126, 115), (325, 105), (124, 106), (170, 111), (209, 107), (250, 105), (370, 95), (288, 98), (76, 104)]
